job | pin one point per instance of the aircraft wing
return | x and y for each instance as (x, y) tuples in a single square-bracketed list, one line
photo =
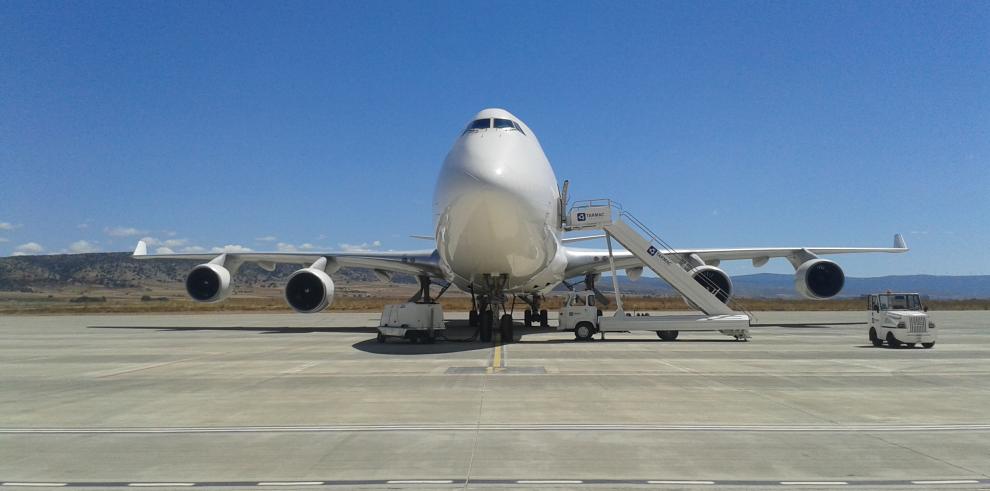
[(423, 262), (582, 261)]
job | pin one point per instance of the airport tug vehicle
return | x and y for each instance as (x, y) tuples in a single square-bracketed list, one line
[(900, 318)]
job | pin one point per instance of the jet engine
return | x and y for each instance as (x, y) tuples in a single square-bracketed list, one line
[(309, 290), (714, 280), (208, 283), (819, 279)]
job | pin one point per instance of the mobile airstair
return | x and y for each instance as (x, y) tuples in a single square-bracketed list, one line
[(606, 215)]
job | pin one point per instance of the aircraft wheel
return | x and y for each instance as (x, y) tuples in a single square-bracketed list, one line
[(927, 345), (528, 318), (473, 318), (874, 339), (910, 345), (486, 327), (505, 328), (892, 342), (668, 335), (544, 318), (584, 331)]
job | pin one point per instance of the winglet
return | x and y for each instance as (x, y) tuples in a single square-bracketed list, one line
[(141, 249), (899, 242)]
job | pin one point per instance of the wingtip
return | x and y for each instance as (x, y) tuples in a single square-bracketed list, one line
[(141, 249), (899, 242)]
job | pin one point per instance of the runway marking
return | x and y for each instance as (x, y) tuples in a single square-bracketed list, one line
[(160, 484), (957, 481), (504, 427), (680, 482), (37, 484), (302, 367), (588, 482), (814, 483), (421, 481), (291, 483), (122, 371), (498, 362)]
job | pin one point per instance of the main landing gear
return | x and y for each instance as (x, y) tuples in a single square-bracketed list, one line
[(534, 313)]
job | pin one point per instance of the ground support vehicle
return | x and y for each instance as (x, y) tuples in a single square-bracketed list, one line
[(417, 322), (900, 318)]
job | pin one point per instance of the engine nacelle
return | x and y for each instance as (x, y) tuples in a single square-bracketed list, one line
[(309, 290), (208, 283), (714, 280), (819, 279)]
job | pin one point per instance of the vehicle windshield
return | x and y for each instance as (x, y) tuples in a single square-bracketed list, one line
[(900, 301)]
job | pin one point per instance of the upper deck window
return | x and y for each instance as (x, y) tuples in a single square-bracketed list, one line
[(480, 124)]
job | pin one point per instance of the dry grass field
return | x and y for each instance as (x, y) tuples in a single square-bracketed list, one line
[(369, 299)]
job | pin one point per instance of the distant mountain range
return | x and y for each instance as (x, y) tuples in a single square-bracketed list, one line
[(118, 270)]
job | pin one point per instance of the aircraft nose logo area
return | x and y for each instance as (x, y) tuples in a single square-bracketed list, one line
[(582, 217), (652, 251)]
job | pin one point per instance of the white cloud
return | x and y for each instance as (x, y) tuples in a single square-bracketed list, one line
[(123, 231), (231, 248), (267, 238), (82, 247), (151, 241), (283, 247), (28, 249), (193, 250), (8, 226), (82, 226), (164, 250), (175, 242), (362, 247)]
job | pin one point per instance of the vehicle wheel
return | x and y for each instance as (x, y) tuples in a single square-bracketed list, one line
[(892, 342), (668, 335), (528, 318), (486, 327), (544, 319), (380, 338), (910, 345), (874, 339), (927, 345), (473, 318), (583, 331)]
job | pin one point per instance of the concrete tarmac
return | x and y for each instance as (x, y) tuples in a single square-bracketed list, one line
[(239, 401)]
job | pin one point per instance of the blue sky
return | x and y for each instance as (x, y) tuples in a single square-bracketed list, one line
[(720, 124)]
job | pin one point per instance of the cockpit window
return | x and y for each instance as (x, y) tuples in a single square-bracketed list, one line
[(479, 124), (504, 123), (518, 127)]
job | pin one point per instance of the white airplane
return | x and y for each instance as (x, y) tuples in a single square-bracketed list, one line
[(499, 222)]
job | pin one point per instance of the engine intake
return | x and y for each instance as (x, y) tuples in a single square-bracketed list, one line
[(309, 290), (714, 280), (819, 279), (208, 283)]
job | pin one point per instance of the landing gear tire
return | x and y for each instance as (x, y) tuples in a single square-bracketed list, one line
[(584, 331), (506, 328), (486, 327), (668, 335), (892, 342), (874, 339), (927, 345), (544, 318), (473, 318), (528, 318), (909, 345)]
